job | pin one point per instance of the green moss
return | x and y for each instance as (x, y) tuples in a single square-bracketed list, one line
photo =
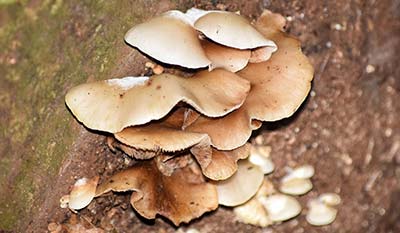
[(51, 56), (57, 44)]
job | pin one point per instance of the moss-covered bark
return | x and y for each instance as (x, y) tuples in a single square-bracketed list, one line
[(45, 48)]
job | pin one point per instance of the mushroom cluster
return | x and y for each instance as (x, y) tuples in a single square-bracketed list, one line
[(189, 134)]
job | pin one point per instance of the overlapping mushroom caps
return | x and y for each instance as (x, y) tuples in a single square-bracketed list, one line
[(185, 131), (175, 38)]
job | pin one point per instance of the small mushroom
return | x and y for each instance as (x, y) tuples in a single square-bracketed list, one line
[(180, 197), (297, 181), (172, 29), (82, 193), (224, 57), (296, 186), (330, 199), (240, 187), (253, 212), (281, 207), (320, 214), (321, 211), (260, 156), (115, 104), (278, 87), (231, 30)]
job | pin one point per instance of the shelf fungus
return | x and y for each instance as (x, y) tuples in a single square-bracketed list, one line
[(188, 135)]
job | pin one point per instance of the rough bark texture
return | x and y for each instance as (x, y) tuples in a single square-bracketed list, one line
[(348, 128)]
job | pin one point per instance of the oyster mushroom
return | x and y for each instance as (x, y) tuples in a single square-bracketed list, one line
[(297, 181), (223, 27), (278, 87), (180, 197), (169, 38), (82, 193), (281, 207), (115, 104), (167, 135), (240, 187)]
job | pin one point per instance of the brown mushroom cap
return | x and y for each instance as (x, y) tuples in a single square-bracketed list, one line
[(180, 197), (169, 38), (115, 104), (278, 87), (232, 30), (82, 193)]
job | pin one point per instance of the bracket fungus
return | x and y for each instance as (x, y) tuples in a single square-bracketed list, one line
[(189, 135)]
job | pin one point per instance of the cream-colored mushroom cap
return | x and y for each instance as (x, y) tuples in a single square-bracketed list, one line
[(281, 207), (169, 38), (82, 193), (331, 199), (240, 187), (296, 186), (302, 172), (320, 214), (259, 155), (115, 104), (232, 30)]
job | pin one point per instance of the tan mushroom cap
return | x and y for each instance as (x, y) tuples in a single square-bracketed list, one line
[(169, 38), (115, 104), (240, 187), (225, 57), (82, 193), (232, 30), (167, 135), (180, 197), (278, 87)]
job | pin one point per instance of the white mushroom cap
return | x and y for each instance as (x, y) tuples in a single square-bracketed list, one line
[(320, 214), (240, 187), (302, 172), (296, 186), (281, 207), (169, 38), (259, 155), (331, 199), (82, 193), (252, 212), (231, 30)]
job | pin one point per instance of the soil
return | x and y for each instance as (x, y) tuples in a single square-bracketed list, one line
[(348, 127)]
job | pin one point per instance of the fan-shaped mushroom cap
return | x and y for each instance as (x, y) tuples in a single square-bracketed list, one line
[(240, 187), (278, 87), (169, 38), (296, 186), (281, 207), (232, 30), (82, 193), (320, 214), (115, 104), (225, 57), (180, 197)]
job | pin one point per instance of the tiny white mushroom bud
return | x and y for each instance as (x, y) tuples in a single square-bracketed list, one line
[(331, 199), (320, 214), (64, 201), (281, 207), (305, 172), (260, 156), (296, 186)]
